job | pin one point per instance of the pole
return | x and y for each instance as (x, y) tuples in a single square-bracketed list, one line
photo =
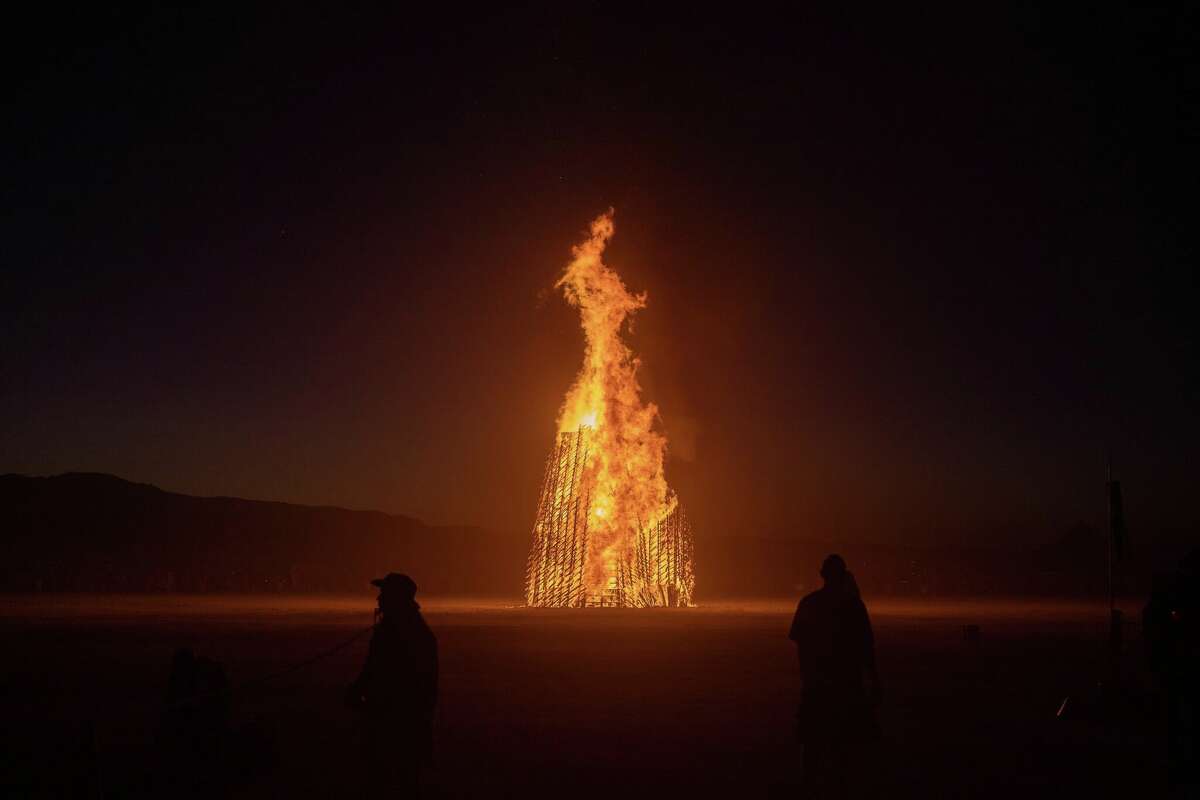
[(1114, 616), (1112, 602)]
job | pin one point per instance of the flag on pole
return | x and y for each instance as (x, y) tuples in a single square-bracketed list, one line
[(1116, 520)]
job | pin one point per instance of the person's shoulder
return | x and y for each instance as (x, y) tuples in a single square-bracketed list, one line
[(810, 604), (812, 598)]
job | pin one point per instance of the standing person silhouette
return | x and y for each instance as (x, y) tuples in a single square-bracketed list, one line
[(397, 689), (836, 650), (1171, 633)]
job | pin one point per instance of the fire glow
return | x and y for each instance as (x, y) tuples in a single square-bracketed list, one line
[(609, 530)]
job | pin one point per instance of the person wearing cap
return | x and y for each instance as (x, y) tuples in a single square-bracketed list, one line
[(397, 688), (836, 650)]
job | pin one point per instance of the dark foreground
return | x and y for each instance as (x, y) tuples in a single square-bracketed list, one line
[(535, 703)]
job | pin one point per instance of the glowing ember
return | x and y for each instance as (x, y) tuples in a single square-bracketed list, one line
[(609, 530)]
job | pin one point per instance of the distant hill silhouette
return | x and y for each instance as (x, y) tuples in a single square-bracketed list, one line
[(94, 532)]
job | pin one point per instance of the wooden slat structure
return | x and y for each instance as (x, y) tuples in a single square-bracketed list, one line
[(658, 571)]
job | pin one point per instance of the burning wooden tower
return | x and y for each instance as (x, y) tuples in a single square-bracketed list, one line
[(608, 531), (656, 571)]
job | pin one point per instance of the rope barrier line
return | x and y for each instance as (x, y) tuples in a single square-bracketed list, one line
[(192, 699)]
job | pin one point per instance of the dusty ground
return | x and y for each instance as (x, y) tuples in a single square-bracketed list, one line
[(535, 703)]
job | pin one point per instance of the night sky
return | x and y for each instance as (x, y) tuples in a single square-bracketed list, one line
[(910, 277)]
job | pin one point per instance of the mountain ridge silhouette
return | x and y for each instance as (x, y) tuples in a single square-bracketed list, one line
[(95, 531), (82, 531)]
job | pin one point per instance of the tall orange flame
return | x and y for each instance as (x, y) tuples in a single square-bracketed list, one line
[(629, 491)]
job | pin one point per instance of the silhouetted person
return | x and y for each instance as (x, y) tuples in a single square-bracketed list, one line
[(1171, 633), (397, 689), (194, 730), (836, 649)]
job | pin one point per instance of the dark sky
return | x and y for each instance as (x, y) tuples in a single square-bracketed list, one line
[(909, 277)]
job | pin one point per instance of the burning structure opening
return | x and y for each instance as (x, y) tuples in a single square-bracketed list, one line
[(609, 531)]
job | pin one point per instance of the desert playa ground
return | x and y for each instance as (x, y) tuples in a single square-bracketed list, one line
[(602, 703)]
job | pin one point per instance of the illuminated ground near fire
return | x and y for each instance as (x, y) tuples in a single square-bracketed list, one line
[(678, 702)]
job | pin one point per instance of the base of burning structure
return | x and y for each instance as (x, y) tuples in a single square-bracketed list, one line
[(613, 600), (656, 572), (605, 601)]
